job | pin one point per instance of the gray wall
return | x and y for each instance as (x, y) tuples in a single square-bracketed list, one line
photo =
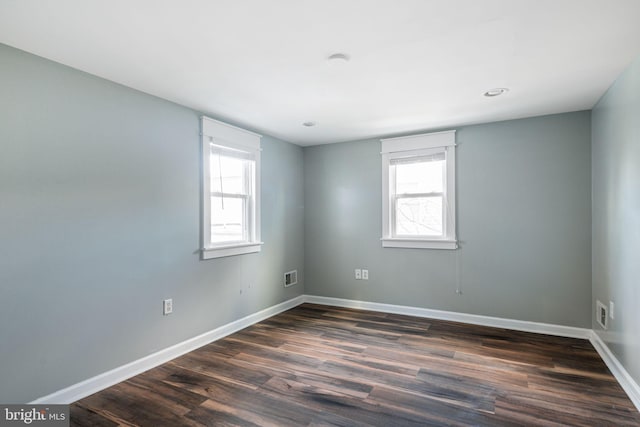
[(616, 215), (99, 222), (524, 220)]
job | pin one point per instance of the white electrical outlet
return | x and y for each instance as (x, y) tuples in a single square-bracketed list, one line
[(167, 307), (358, 274), (365, 274), (611, 308)]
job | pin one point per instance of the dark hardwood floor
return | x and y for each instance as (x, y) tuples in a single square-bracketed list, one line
[(318, 366)]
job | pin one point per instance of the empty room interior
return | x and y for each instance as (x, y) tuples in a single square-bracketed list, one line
[(408, 212)]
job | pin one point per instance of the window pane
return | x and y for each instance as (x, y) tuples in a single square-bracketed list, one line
[(419, 216), (228, 219), (421, 176), (228, 174)]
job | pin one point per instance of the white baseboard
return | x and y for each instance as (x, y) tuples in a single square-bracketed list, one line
[(122, 373), (114, 376), (626, 381), (474, 319)]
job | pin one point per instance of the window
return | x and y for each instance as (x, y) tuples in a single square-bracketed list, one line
[(231, 190), (418, 191)]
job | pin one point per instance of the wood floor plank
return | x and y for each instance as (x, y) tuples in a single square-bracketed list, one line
[(129, 405), (85, 416), (220, 368), (340, 404), (325, 366)]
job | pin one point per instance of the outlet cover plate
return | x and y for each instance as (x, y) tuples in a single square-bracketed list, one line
[(167, 307), (612, 308)]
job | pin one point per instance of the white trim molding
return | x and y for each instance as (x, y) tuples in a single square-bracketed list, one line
[(122, 373), (394, 242), (445, 138), (474, 319), (629, 385), (231, 250)]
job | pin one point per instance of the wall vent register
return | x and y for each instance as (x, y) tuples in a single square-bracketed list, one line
[(601, 314), (290, 278)]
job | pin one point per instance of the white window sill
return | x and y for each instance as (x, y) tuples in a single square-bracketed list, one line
[(231, 250), (388, 242)]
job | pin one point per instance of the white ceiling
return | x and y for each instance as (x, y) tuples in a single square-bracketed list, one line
[(415, 65)]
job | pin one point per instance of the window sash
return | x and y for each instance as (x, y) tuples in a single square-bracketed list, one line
[(244, 220), (230, 195), (236, 153), (248, 211), (248, 166), (415, 195), (406, 158)]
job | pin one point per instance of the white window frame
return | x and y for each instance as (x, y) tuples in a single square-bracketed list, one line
[(247, 144), (418, 146)]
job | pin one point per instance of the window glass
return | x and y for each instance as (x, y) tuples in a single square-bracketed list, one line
[(419, 216), (422, 175), (228, 174), (228, 219)]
